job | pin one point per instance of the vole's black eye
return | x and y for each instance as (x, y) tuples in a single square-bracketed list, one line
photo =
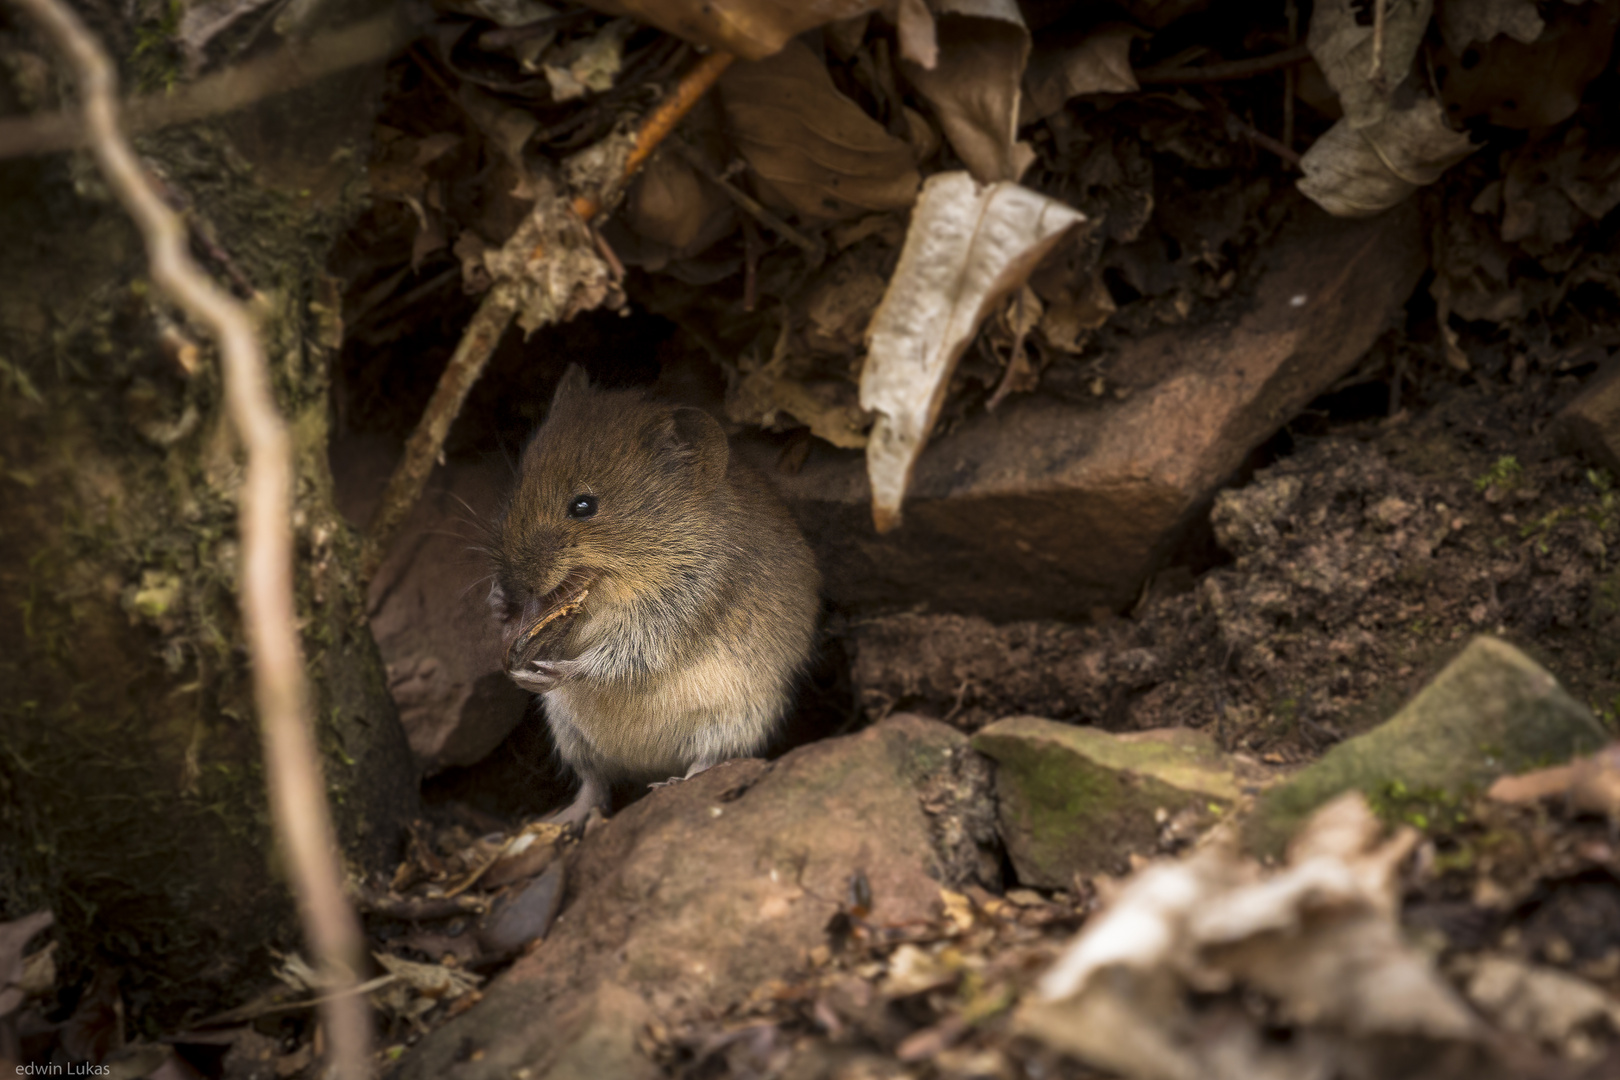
[(582, 506)]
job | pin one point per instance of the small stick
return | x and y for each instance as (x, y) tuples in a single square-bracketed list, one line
[(704, 74), (269, 614), (477, 345), (281, 71), (746, 203), (1235, 69), (1266, 142), (1376, 75), (489, 323)]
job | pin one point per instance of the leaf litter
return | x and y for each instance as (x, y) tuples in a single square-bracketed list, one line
[(863, 105)]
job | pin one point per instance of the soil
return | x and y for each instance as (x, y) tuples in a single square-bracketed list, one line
[(1345, 572)]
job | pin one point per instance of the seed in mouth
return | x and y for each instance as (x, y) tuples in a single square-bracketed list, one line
[(557, 610)]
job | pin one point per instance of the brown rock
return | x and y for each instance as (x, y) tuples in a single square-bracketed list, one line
[(427, 606), (688, 900), (1047, 508), (1590, 424)]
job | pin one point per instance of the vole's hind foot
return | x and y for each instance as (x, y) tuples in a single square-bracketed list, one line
[(697, 767), (593, 795)]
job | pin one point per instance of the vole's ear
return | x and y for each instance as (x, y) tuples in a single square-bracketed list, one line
[(575, 384), (692, 439)]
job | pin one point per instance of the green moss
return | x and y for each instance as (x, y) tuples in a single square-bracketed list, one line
[(1505, 475)]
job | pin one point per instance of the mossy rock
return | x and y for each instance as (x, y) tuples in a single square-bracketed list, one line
[(1489, 712), (1081, 800)]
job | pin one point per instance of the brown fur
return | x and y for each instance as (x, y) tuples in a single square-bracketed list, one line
[(701, 617)]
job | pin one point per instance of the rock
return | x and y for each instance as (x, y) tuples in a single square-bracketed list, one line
[(686, 901), (1590, 424), (1079, 800), (427, 609), (1489, 712), (1047, 508)]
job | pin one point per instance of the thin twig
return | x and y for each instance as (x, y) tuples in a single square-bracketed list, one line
[(493, 317), (287, 69), (1235, 69), (1266, 142), (1376, 73), (746, 203), (1238, 126), (659, 123), (293, 774), (477, 345)]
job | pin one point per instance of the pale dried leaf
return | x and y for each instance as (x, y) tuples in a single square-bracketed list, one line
[(1540, 1002), (39, 972), (1463, 22), (1099, 64), (203, 22), (913, 971), (975, 87), (501, 12), (549, 270), (430, 980), (828, 409), (968, 247), (919, 41), (588, 65), (813, 150), (749, 29), (764, 392), (14, 938), (1319, 939), (1354, 173), (1343, 49)]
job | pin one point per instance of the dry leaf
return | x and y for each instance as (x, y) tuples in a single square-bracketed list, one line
[(1531, 82), (501, 12), (1073, 315), (1319, 939), (676, 209), (430, 980), (750, 29), (205, 21), (812, 149), (1463, 22), (974, 87), (1098, 64), (1542, 1003), (588, 64), (764, 392), (1343, 48), (1352, 172), (549, 269), (919, 40), (968, 247)]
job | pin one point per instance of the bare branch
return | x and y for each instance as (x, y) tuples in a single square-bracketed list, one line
[(287, 69), (297, 795)]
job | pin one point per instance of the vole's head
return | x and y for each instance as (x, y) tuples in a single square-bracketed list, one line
[(616, 489)]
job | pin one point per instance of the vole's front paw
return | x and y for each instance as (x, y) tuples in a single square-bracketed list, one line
[(542, 675)]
